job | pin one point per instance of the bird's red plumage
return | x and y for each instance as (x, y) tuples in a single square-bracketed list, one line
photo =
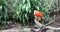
[(38, 13)]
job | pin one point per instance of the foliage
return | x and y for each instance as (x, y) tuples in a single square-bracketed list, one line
[(24, 10), (25, 7), (2, 14)]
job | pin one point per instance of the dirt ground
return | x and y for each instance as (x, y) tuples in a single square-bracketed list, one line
[(56, 23)]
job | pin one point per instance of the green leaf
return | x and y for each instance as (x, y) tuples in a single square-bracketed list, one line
[(27, 8), (0, 8), (24, 7), (37, 7), (24, 1), (23, 20)]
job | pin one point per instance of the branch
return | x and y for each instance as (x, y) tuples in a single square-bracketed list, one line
[(51, 21), (49, 27)]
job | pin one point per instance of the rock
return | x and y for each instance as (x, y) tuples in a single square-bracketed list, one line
[(26, 30), (50, 31), (12, 30), (56, 30), (16, 30)]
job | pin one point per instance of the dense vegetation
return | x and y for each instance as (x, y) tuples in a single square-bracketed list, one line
[(23, 10)]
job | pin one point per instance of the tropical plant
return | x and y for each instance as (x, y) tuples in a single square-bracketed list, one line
[(3, 14), (24, 10)]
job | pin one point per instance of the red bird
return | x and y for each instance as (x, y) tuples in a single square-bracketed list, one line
[(38, 13)]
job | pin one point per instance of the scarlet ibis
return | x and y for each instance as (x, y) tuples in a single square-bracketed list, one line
[(38, 13)]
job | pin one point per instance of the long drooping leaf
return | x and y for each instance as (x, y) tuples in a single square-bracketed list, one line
[(25, 8)]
